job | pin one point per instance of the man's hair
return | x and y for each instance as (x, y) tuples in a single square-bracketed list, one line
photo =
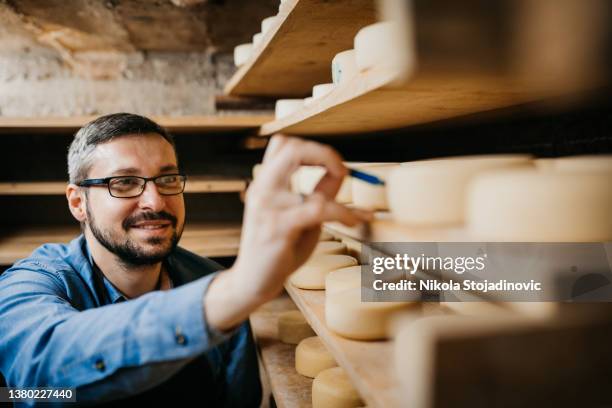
[(102, 130)]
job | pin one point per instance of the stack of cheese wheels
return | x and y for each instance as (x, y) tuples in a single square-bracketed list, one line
[(528, 205), (330, 248), (343, 279), (293, 327), (257, 39), (333, 389), (306, 178), (349, 317), (242, 53), (376, 46), (285, 107), (312, 274), (344, 67), (267, 23), (311, 357), (432, 192), (321, 90), (370, 196)]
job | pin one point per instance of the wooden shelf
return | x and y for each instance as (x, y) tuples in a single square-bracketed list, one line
[(175, 124), (380, 100), (289, 388), (367, 363), (195, 184), (211, 240), (296, 52)]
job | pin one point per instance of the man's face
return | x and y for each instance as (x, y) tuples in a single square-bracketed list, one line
[(141, 230)]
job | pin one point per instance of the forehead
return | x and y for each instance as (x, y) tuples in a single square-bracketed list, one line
[(146, 154)]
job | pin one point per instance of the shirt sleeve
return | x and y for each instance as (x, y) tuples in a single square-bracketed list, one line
[(47, 342)]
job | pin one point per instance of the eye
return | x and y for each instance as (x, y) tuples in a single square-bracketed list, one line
[(126, 182), (169, 179)]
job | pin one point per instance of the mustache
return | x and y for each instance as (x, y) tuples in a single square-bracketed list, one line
[(148, 216)]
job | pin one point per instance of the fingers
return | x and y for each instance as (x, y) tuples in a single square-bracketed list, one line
[(317, 209), (285, 154)]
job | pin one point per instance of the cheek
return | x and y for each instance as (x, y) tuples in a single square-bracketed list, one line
[(110, 213), (177, 207)]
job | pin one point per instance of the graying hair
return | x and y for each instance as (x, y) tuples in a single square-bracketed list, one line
[(102, 130)]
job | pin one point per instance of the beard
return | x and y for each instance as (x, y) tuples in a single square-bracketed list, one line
[(129, 252)]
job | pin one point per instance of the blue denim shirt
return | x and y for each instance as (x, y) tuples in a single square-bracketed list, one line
[(63, 324)]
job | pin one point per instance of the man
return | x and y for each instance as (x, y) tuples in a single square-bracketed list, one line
[(122, 313)]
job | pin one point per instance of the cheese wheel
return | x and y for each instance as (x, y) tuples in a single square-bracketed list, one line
[(311, 357), (349, 317), (257, 39), (267, 23), (370, 196), (333, 389), (330, 247), (376, 46), (345, 194), (242, 53), (312, 274), (526, 205), (344, 67), (545, 164), (307, 178), (308, 101), (293, 327), (285, 107), (256, 170), (432, 192), (319, 91), (585, 164), (325, 236), (343, 279)]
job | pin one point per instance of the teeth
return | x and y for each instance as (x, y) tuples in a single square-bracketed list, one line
[(151, 226)]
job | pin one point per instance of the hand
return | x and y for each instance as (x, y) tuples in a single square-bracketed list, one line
[(280, 228)]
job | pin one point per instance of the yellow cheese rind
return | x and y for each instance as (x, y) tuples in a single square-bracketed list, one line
[(312, 274), (333, 389), (330, 248), (311, 357), (293, 327), (343, 279)]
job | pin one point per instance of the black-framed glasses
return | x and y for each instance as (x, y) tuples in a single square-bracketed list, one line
[(133, 186)]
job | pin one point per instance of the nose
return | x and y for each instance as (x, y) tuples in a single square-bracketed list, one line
[(151, 199)]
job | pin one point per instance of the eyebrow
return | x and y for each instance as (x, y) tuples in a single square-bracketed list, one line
[(134, 170)]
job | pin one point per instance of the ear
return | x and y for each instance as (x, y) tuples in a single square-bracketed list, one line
[(76, 202)]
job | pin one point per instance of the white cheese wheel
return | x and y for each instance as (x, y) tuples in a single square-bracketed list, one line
[(376, 46), (343, 279), (330, 248), (285, 107), (527, 205), (312, 274), (545, 164), (257, 39), (325, 236), (333, 389), (308, 101), (349, 317), (267, 23), (370, 196), (307, 178), (345, 194), (432, 192), (344, 67), (311, 357), (319, 91), (585, 164), (293, 327), (242, 53)]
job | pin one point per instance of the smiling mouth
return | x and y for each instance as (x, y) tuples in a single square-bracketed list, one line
[(151, 225)]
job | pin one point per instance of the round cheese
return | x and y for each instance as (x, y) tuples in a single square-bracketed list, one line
[(584, 164), (312, 274), (285, 107), (319, 91), (325, 236), (311, 357), (267, 23), (293, 327), (344, 67), (370, 196), (330, 247), (526, 205), (349, 317), (376, 46), (307, 178), (257, 39), (308, 101), (343, 279), (242, 53), (333, 389), (432, 192)]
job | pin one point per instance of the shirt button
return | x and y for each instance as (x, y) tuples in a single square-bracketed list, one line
[(100, 366), (180, 337)]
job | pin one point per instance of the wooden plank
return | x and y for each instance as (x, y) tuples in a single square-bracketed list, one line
[(367, 363), (175, 124), (195, 184), (211, 240), (296, 52), (289, 388)]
